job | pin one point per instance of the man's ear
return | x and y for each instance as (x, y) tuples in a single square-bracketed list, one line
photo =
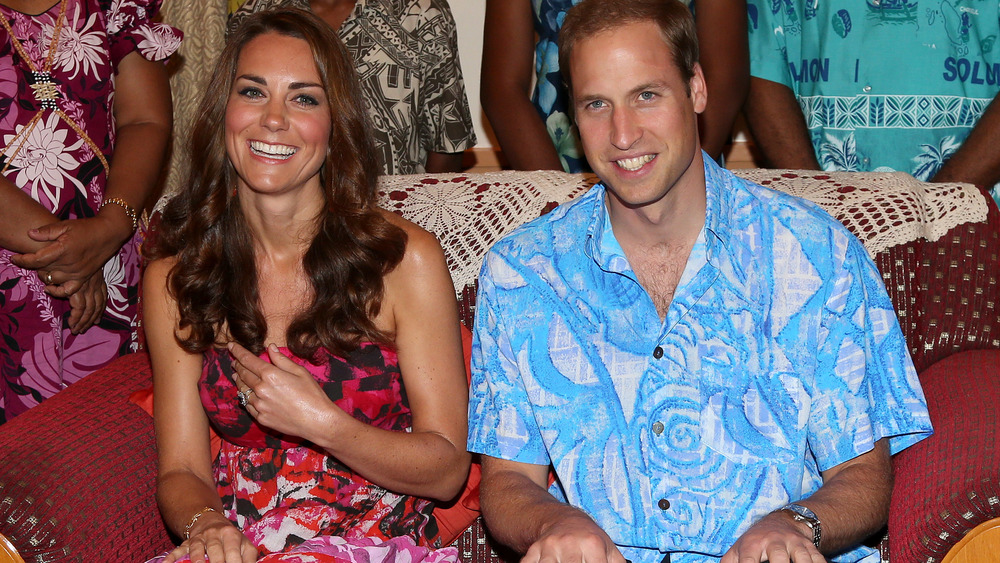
[(699, 92)]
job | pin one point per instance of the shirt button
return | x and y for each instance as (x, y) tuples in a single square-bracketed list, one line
[(657, 428), (657, 352), (664, 504), (867, 88)]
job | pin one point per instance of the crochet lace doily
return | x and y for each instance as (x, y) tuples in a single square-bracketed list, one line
[(470, 212)]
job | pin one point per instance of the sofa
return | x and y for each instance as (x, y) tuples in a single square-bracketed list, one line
[(77, 473)]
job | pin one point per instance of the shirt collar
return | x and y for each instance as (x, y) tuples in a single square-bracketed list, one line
[(721, 190), (603, 247)]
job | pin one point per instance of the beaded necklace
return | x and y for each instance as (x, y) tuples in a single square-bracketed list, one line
[(44, 88)]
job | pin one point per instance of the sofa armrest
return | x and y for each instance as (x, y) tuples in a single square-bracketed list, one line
[(78, 472), (947, 485)]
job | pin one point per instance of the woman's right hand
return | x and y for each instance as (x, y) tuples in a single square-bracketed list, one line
[(215, 539)]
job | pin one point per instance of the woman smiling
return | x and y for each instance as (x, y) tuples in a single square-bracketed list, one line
[(314, 332)]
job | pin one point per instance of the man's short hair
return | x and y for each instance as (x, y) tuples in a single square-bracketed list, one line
[(590, 17)]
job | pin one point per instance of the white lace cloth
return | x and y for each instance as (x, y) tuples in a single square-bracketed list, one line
[(470, 212)]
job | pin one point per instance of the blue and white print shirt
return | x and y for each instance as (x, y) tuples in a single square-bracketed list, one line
[(883, 84), (780, 357)]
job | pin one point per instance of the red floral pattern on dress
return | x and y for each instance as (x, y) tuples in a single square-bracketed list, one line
[(282, 491)]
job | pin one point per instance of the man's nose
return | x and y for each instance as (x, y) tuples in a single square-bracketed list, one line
[(625, 128)]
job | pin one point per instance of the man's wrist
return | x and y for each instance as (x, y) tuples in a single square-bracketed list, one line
[(807, 517)]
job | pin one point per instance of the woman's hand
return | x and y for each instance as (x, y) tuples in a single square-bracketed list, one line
[(76, 250), (215, 539), (87, 304), (283, 395)]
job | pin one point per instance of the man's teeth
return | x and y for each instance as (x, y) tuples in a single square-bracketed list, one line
[(633, 164), (271, 151)]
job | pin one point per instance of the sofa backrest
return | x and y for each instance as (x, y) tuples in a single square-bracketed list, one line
[(937, 245)]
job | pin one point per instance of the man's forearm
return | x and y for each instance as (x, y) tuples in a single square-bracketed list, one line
[(778, 127), (853, 502), (977, 161), (516, 509)]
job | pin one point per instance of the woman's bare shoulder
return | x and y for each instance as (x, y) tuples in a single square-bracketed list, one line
[(159, 269), (421, 244)]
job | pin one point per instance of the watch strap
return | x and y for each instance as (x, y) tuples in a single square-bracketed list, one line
[(808, 517)]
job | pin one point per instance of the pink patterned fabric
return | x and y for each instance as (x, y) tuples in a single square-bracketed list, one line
[(364, 550), (292, 500), (55, 166)]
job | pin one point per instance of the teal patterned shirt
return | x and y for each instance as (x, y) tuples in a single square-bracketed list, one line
[(883, 84), (780, 357)]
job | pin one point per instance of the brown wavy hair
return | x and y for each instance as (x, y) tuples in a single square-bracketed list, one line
[(588, 18), (214, 280)]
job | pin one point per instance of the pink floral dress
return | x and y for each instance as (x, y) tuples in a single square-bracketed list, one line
[(296, 503), (49, 160)]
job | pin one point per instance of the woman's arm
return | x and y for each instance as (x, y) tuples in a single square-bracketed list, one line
[(508, 55), (725, 60), (75, 249), (185, 485), (421, 309), (18, 214)]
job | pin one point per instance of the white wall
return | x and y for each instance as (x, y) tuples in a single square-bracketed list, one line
[(469, 19)]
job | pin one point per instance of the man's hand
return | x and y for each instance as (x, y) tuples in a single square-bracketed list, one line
[(775, 538), (574, 539)]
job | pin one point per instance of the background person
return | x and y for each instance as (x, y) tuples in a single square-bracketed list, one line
[(866, 86), (85, 118), (315, 332)]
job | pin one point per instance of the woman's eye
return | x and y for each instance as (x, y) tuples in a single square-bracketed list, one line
[(251, 92), (307, 100)]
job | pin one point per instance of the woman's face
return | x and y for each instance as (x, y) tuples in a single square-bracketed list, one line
[(277, 116)]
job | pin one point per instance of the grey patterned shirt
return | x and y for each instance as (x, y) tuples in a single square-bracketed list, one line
[(406, 55)]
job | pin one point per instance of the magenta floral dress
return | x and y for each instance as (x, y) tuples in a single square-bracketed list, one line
[(50, 161), (295, 502)]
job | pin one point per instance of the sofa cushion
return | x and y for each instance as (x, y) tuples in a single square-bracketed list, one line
[(77, 473), (947, 484)]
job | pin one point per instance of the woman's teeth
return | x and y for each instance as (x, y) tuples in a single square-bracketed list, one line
[(271, 151)]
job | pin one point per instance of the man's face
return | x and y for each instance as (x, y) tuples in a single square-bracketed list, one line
[(637, 118)]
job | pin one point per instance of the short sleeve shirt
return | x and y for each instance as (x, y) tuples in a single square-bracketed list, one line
[(890, 85), (780, 357)]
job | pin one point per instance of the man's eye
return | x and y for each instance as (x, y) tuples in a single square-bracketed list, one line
[(647, 96), (596, 104)]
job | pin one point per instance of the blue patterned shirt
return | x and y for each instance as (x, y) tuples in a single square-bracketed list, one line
[(883, 84), (780, 357)]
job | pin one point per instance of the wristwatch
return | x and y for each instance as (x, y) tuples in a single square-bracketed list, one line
[(802, 514)]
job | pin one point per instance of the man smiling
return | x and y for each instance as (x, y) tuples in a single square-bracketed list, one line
[(712, 369)]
